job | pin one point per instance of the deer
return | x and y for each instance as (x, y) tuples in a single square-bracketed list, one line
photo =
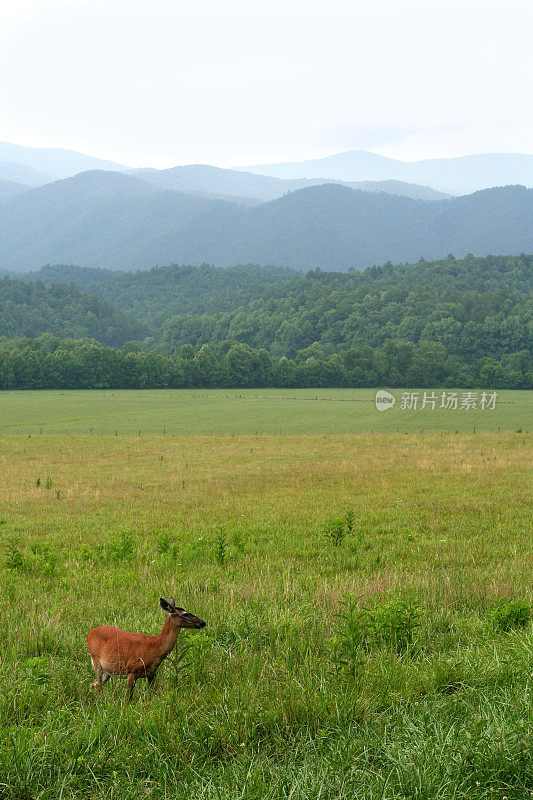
[(115, 652)]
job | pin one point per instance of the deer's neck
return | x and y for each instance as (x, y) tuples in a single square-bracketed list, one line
[(168, 637)]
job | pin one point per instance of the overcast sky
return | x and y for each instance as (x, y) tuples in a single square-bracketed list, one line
[(235, 83)]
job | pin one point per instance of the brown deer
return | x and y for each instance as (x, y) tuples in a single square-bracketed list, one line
[(136, 655)]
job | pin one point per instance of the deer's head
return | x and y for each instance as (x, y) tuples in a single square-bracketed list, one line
[(180, 617)]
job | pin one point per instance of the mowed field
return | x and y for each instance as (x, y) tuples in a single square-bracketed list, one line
[(262, 411), (424, 690)]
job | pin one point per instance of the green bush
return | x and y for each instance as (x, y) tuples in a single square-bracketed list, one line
[(335, 530), (509, 614), (388, 623), (14, 558), (119, 548)]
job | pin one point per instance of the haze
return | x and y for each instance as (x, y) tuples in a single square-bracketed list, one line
[(234, 83)]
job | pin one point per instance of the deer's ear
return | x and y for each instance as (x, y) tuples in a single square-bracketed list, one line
[(164, 605), (172, 602)]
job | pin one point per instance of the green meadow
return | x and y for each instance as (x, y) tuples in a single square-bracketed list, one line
[(250, 411), (367, 594)]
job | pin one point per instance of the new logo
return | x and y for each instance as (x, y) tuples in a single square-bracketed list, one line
[(384, 400)]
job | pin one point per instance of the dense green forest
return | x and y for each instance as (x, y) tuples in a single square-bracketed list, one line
[(452, 322), (475, 306), (50, 363), (29, 308)]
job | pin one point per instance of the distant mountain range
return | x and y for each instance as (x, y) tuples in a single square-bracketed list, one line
[(112, 219), (21, 173), (456, 175), (52, 163), (249, 188), (37, 167), (463, 175)]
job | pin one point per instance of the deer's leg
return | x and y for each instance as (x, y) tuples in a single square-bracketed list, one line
[(96, 685), (151, 682), (104, 677), (131, 685)]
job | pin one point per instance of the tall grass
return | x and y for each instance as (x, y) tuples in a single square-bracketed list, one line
[(438, 558)]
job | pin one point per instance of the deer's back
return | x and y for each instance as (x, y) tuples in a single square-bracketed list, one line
[(119, 651)]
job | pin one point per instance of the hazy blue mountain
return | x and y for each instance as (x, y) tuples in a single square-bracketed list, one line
[(233, 185), (470, 173), (332, 226), (99, 219), (353, 165), (455, 175), (20, 173), (402, 188), (203, 179), (54, 162), (106, 219), (36, 166), (9, 188)]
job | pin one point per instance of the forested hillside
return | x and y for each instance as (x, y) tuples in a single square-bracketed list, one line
[(473, 306), (29, 308), (9, 188), (446, 323), (112, 220), (477, 308)]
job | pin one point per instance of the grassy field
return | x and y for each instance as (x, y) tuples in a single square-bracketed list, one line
[(426, 694), (247, 411)]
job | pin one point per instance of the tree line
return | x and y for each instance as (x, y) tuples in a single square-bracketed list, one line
[(48, 362)]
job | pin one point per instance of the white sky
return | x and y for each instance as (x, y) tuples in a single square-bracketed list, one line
[(231, 83)]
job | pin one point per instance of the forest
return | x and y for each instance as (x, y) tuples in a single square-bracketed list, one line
[(451, 322), (48, 362)]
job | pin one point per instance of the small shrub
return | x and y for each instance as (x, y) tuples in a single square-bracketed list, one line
[(119, 548), (509, 614), (349, 522), (334, 531), (221, 546), (338, 528), (395, 622), (352, 637), (45, 560), (364, 627), (14, 555)]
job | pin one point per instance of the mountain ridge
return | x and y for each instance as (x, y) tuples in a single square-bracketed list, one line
[(106, 219), (54, 161), (455, 175), (231, 185), (458, 175)]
